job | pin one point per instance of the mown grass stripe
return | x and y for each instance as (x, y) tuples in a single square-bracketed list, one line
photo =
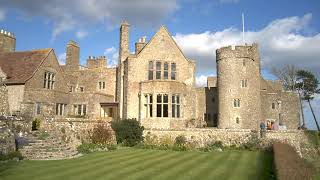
[(241, 166), (107, 167), (137, 168), (156, 171), (101, 165), (208, 165), (178, 171), (63, 169), (226, 167)]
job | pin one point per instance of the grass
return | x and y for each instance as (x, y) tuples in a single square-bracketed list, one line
[(131, 163)]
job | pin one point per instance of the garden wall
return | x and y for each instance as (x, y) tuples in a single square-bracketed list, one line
[(230, 137)]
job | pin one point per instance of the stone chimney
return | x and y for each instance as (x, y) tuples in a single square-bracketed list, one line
[(140, 44), (7, 41), (73, 53)]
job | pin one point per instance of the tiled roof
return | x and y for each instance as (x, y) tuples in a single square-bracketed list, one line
[(20, 66)]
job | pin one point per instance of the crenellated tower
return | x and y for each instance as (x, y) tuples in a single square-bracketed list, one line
[(7, 41), (238, 70)]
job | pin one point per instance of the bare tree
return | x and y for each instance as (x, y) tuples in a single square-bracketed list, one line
[(288, 76)]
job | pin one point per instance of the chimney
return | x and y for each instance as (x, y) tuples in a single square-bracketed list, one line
[(124, 41), (73, 53), (140, 44), (7, 41)]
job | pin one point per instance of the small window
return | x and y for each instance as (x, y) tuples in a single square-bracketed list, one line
[(80, 109), (244, 83), (158, 70), (150, 70), (273, 105), (148, 105), (244, 62), (165, 71), (81, 89), (38, 108), (102, 85), (237, 120), (236, 102), (60, 109), (175, 106), (173, 71)]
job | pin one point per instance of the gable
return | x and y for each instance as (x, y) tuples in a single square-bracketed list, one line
[(162, 45), (20, 66)]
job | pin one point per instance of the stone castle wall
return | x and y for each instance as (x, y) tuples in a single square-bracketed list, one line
[(235, 65)]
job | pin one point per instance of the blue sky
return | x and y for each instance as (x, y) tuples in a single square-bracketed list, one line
[(288, 31)]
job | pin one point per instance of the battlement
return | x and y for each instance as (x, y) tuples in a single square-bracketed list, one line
[(243, 51), (7, 33), (96, 62)]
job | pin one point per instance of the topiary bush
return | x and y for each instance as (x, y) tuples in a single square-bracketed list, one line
[(128, 131)]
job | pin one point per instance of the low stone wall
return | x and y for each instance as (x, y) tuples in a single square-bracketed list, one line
[(7, 142), (73, 130), (230, 137)]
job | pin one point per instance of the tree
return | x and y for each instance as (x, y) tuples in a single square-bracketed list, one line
[(308, 84), (288, 76)]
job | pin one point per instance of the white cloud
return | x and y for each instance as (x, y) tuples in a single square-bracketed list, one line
[(62, 58), (109, 50), (81, 34), (201, 81), (72, 14), (112, 55), (283, 41), (2, 15)]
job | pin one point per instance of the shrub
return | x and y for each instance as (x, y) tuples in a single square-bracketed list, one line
[(128, 131), (289, 165), (213, 146), (11, 155), (43, 135), (180, 140), (35, 124), (101, 134)]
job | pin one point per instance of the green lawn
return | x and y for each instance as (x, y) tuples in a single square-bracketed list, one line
[(139, 164)]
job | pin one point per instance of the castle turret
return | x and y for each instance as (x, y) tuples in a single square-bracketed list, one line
[(7, 41), (73, 53), (238, 70)]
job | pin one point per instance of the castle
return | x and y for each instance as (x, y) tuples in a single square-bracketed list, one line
[(155, 85)]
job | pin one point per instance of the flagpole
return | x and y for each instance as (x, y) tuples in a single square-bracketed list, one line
[(243, 28)]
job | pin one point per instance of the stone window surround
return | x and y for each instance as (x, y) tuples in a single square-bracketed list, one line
[(83, 110), (236, 103), (60, 109), (49, 80), (101, 85), (154, 105), (244, 83), (162, 70)]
